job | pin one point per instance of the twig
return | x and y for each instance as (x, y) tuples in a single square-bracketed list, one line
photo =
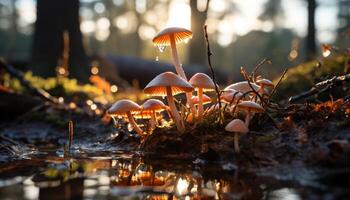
[(9, 140), (321, 87), (19, 75), (278, 83), (70, 139), (209, 53), (265, 60), (70, 134)]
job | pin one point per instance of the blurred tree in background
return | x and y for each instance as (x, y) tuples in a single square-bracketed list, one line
[(311, 30), (53, 18), (241, 32), (197, 53)]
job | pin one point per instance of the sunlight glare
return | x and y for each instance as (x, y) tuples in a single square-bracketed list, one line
[(87, 26), (179, 15), (181, 187)]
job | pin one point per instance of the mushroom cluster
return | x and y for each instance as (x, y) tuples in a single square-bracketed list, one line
[(240, 97)]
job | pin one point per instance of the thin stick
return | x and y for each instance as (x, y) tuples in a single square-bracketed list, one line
[(265, 60), (278, 83), (70, 134), (209, 53), (321, 87)]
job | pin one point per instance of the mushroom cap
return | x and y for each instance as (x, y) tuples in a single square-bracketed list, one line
[(157, 87), (252, 106), (206, 99), (123, 106), (201, 80), (237, 126), (163, 37), (153, 104), (228, 95), (243, 86), (265, 82)]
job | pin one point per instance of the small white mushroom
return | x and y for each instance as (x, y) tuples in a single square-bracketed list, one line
[(250, 107), (238, 127), (203, 83)]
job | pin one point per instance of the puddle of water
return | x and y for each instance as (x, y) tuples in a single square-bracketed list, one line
[(105, 177), (49, 175)]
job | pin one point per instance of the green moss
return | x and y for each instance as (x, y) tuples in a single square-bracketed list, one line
[(301, 78), (61, 86)]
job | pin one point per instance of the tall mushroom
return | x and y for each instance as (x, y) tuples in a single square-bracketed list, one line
[(250, 107), (126, 107), (238, 127), (170, 37), (203, 83), (169, 84), (153, 106)]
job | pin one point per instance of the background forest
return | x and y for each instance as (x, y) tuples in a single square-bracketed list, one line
[(119, 32)]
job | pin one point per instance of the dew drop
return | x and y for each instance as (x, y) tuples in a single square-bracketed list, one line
[(157, 58), (161, 48)]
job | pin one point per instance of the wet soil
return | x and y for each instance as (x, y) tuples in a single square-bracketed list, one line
[(305, 157)]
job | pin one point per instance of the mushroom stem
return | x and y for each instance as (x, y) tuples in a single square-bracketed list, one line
[(133, 123), (180, 71), (200, 104), (247, 118), (153, 120), (176, 116), (178, 67), (236, 140)]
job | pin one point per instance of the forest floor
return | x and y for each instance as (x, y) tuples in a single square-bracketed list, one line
[(298, 150), (308, 149)]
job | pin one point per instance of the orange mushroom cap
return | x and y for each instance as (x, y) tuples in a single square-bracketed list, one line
[(153, 104), (180, 34), (123, 106), (157, 87)]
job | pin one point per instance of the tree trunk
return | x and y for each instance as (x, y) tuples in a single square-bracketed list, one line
[(197, 52), (53, 18), (311, 30)]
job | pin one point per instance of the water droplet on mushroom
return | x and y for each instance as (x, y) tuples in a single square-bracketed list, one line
[(186, 40), (161, 48), (157, 58)]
